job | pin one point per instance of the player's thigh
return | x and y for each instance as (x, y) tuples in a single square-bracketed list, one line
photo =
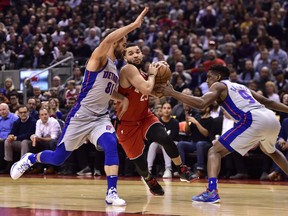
[(133, 145), (240, 139), (101, 126), (75, 133), (268, 127)]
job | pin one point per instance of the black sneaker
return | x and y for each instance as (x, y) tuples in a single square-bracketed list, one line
[(185, 174), (154, 186)]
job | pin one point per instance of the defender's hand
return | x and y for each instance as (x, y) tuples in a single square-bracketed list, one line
[(140, 18), (123, 106)]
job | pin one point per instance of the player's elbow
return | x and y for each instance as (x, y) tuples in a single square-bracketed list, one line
[(146, 91)]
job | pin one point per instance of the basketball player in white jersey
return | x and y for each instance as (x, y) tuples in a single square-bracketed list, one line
[(256, 125), (89, 116)]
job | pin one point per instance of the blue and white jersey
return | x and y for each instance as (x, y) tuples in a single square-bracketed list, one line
[(239, 100), (97, 88)]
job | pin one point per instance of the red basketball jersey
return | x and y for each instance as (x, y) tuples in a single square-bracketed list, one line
[(138, 103)]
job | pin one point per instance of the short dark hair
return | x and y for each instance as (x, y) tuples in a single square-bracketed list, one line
[(222, 70), (131, 45), (22, 106)]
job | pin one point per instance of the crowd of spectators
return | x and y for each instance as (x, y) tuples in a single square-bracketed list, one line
[(250, 37)]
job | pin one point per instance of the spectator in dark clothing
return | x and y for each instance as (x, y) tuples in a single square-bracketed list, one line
[(18, 139), (208, 20)]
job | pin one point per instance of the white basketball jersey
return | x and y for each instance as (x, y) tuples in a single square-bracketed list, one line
[(97, 88), (239, 100)]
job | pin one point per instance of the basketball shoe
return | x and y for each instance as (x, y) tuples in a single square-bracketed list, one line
[(19, 168), (207, 197), (154, 186), (113, 199), (186, 174)]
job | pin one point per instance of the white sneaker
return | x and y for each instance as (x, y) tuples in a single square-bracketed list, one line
[(167, 174), (112, 198), (97, 172), (19, 168), (85, 172)]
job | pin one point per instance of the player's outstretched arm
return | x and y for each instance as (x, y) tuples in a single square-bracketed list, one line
[(116, 35), (270, 104), (99, 56), (196, 102)]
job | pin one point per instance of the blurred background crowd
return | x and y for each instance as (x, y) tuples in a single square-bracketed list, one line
[(250, 37)]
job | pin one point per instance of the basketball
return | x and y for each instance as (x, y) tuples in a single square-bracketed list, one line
[(163, 74)]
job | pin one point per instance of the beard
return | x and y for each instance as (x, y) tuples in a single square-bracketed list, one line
[(118, 54), (138, 66)]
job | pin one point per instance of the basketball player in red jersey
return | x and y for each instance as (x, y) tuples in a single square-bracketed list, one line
[(139, 123)]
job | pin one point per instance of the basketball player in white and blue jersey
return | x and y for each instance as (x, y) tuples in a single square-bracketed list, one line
[(89, 118), (255, 124)]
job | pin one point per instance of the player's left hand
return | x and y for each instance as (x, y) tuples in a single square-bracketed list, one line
[(123, 106), (167, 89), (140, 18)]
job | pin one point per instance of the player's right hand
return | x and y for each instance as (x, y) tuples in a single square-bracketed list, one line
[(153, 69)]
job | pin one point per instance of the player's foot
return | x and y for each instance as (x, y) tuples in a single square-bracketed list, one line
[(154, 186), (19, 168), (113, 199), (207, 197), (185, 174)]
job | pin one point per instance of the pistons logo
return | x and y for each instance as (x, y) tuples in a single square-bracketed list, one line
[(108, 127)]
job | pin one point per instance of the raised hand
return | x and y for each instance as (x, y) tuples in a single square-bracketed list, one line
[(140, 18)]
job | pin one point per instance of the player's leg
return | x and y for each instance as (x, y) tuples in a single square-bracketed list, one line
[(133, 146), (157, 133), (108, 143), (215, 154), (270, 133), (279, 158), (103, 135), (142, 169)]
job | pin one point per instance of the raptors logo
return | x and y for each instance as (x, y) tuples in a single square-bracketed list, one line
[(35, 79)]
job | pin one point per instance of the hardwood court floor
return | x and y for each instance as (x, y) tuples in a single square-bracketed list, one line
[(72, 196)]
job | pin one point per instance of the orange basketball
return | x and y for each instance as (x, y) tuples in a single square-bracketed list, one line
[(163, 74)]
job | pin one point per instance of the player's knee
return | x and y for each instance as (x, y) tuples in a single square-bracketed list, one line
[(108, 142), (162, 138)]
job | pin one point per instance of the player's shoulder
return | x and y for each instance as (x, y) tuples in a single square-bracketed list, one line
[(219, 85), (128, 69)]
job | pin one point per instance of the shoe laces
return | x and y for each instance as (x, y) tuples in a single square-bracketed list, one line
[(153, 182), (112, 193), (184, 170), (23, 167)]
